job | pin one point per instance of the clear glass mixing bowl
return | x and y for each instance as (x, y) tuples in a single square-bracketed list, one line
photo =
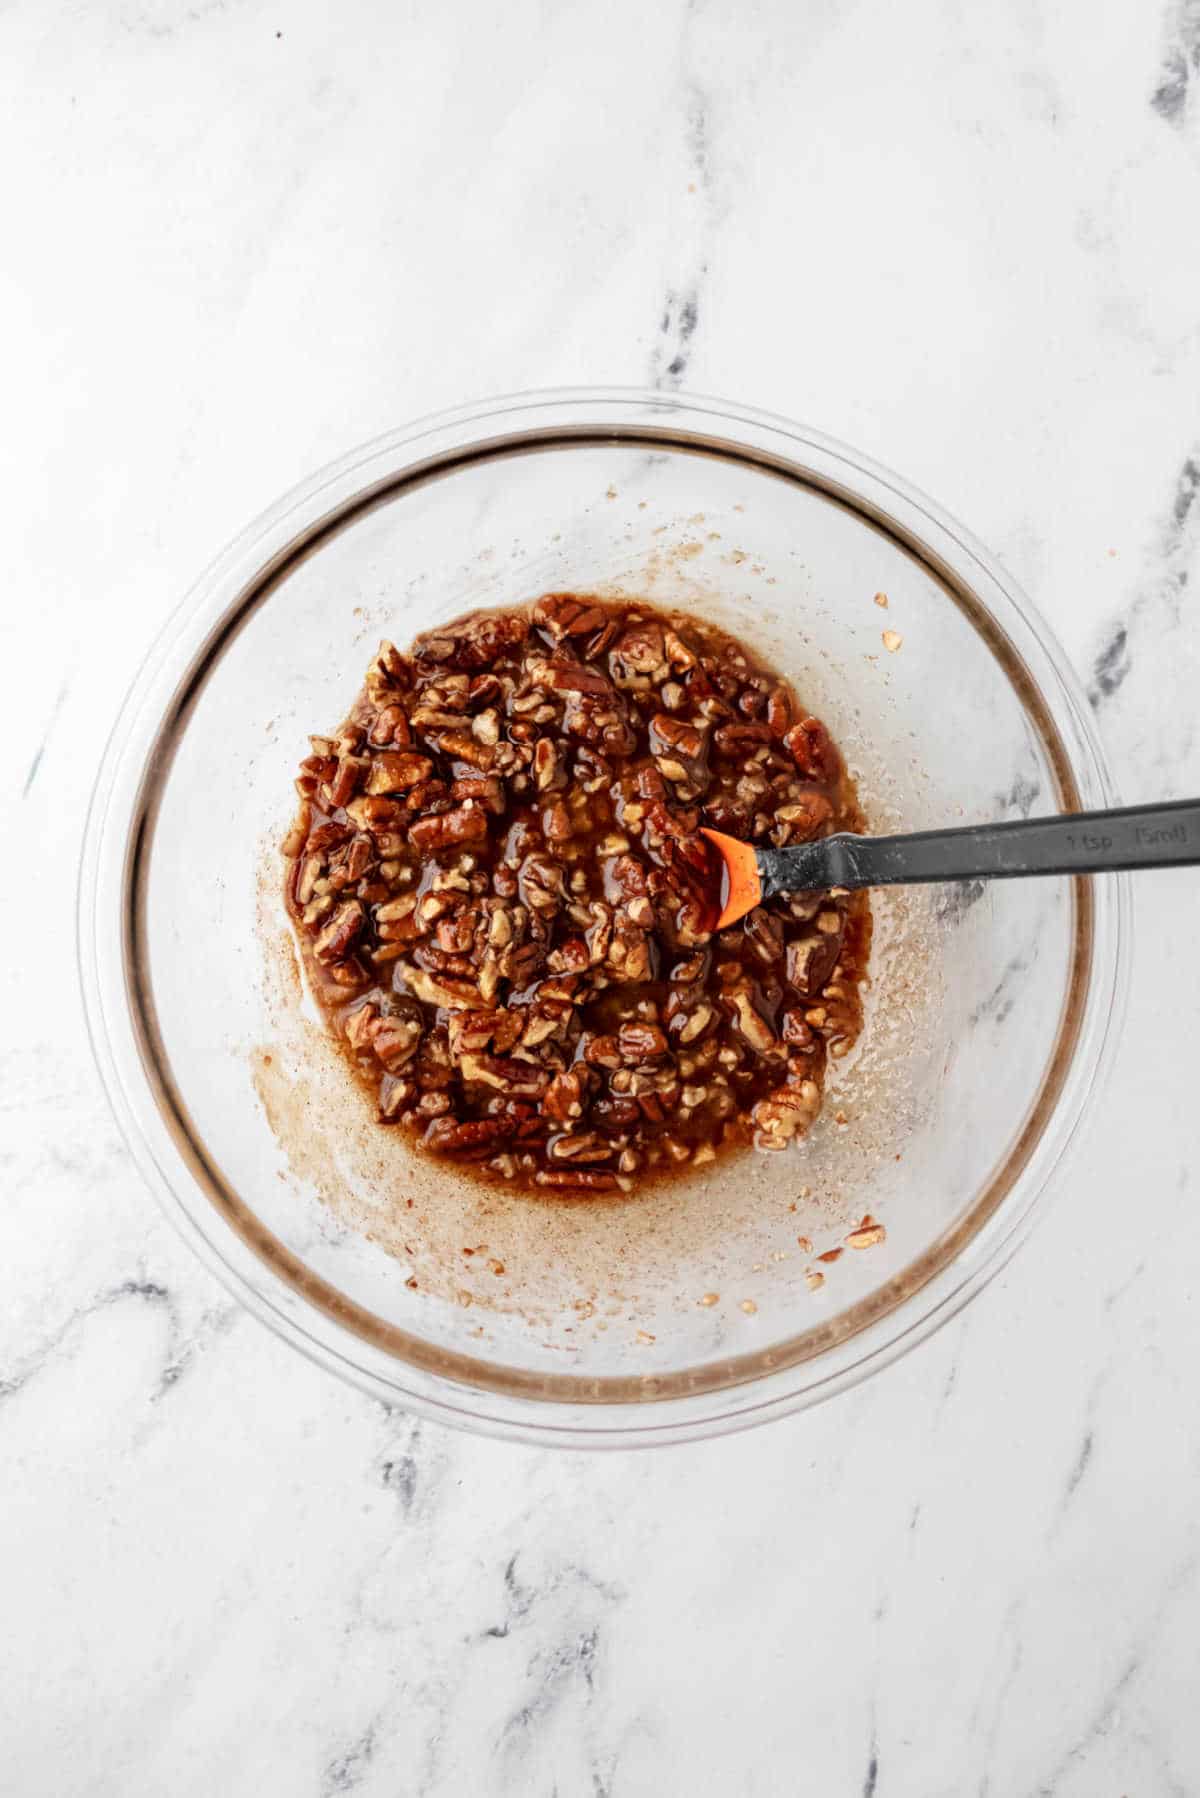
[(990, 1007)]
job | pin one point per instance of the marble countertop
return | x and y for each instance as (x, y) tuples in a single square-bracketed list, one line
[(240, 239)]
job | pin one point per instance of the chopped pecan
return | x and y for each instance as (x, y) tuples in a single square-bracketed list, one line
[(556, 823), (488, 789), (810, 961), (347, 778), (641, 1042), (395, 771), (566, 675), (341, 933), (394, 1096), (466, 747), (801, 819), (465, 824), (297, 836), (387, 672), (395, 1041), (540, 882), (455, 995), (629, 955), (670, 736), (764, 933), (562, 615), (548, 771), (678, 654), (601, 1051), (455, 935), (580, 1146), (519, 1079), (779, 712), (751, 1023), (811, 749), (639, 650), (564, 1098), (359, 1026), (581, 1180), (446, 1136), (390, 728), (371, 813), (796, 1031), (328, 836), (471, 1032)]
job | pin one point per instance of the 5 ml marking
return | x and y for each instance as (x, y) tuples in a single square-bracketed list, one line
[(1150, 834)]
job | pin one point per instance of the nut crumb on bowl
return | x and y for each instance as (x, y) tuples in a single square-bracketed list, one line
[(507, 912)]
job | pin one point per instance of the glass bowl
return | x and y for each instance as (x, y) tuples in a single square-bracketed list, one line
[(693, 1309)]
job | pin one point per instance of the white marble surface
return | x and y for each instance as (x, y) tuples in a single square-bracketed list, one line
[(238, 238)]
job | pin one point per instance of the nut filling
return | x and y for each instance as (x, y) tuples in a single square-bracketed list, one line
[(507, 914)]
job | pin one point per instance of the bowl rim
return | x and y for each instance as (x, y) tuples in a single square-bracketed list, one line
[(737, 1391)]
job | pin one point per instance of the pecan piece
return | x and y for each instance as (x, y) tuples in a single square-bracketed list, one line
[(630, 955), (562, 615), (796, 1031), (751, 1023), (571, 1179), (764, 933), (455, 935), (629, 875), (548, 772), (540, 882), (465, 824), (810, 961), (341, 933), (359, 1026), (390, 728), (564, 1098), (374, 813), (639, 650), (740, 739), (347, 778), (471, 1032), (488, 789), (328, 836), (518, 1079), (565, 675), (447, 1136), (671, 736), (395, 771), (395, 1041), (311, 869), (779, 712), (811, 749), (297, 835), (466, 747), (394, 1095), (580, 1146), (387, 672), (455, 995), (800, 819), (641, 1042)]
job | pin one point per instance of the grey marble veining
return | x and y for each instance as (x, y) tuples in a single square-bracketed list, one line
[(239, 240)]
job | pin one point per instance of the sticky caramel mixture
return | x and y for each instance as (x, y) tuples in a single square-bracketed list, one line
[(507, 914)]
